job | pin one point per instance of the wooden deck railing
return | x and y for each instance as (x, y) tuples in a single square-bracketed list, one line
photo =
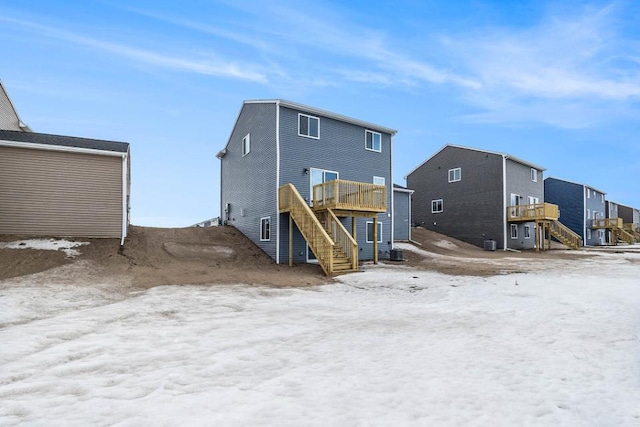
[(538, 211), (350, 195), (314, 233), (343, 239), (565, 235), (607, 223)]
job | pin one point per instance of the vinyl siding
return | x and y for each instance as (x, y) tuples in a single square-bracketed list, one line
[(60, 194), (473, 206), (570, 198), (341, 148), (401, 216), (248, 183), (519, 182), (8, 118)]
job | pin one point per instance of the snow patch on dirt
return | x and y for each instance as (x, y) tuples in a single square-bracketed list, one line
[(65, 246)]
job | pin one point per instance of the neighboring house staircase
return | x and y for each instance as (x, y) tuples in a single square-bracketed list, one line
[(618, 231), (545, 216), (564, 235)]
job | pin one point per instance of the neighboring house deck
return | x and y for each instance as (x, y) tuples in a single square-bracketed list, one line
[(309, 185), (477, 196), (631, 220)]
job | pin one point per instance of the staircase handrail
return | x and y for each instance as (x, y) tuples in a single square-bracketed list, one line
[(313, 232), (565, 234), (344, 239)]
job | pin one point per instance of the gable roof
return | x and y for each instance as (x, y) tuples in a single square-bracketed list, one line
[(62, 141), (508, 156), (12, 110), (401, 189), (575, 183)]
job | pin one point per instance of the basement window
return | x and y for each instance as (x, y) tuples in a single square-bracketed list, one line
[(370, 232), (527, 231), (455, 175), (514, 231), (265, 229)]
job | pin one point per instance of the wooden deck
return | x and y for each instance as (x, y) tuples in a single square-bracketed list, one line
[(535, 212), (350, 196), (607, 223)]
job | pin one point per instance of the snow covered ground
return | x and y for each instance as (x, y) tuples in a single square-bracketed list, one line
[(390, 346)]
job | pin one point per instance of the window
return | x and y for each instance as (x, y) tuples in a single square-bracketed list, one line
[(534, 175), (265, 229), (372, 141), (588, 213), (246, 145), (436, 206), (308, 126), (527, 231), (370, 232), (602, 198), (588, 193), (379, 180), (588, 234), (514, 231), (455, 174)]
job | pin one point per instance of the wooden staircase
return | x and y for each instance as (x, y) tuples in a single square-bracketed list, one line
[(333, 246), (620, 234), (564, 235)]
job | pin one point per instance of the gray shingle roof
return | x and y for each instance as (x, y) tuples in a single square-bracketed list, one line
[(63, 141)]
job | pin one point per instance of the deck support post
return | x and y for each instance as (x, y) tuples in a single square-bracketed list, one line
[(375, 239), (290, 240), (536, 230)]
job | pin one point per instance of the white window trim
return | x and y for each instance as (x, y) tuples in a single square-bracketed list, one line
[(454, 173), (534, 174), (366, 230), (308, 117), (441, 206), (527, 231), (246, 145), (365, 140), (588, 234), (514, 227), (379, 178), (261, 221), (588, 213)]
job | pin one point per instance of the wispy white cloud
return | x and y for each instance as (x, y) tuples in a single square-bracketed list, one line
[(207, 66)]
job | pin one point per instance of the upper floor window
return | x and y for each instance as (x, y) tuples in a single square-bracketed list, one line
[(455, 174), (436, 206), (246, 145), (373, 141), (602, 198), (308, 126), (534, 175), (588, 193)]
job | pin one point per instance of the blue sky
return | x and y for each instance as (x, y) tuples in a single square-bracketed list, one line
[(554, 83)]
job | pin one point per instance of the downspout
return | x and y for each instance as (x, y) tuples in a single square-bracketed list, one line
[(584, 215), (504, 202), (125, 175), (277, 182), (393, 217)]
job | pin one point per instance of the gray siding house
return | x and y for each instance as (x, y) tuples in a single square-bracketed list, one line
[(294, 178), (52, 185), (480, 196), (401, 213), (631, 219)]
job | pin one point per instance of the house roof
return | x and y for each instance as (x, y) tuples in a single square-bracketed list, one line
[(21, 124), (576, 183), (508, 156), (324, 113), (401, 189), (63, 141)]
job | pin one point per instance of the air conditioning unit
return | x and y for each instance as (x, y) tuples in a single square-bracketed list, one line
[(490, 245), (396, 255)]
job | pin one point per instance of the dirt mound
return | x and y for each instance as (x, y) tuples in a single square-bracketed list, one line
[(164, 256), (437, 252)]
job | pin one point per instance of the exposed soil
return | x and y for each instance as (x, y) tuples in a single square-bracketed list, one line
[(177, 256)]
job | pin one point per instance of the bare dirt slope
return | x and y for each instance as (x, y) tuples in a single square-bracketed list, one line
[(444, 254), (163, 256)]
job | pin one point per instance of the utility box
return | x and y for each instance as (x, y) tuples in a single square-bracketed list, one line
[(396, 255), (490, 245)]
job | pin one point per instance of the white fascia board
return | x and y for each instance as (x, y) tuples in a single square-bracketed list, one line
[(60, 148)]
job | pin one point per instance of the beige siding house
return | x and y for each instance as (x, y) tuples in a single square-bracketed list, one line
[(53, 185), (9, 118)]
